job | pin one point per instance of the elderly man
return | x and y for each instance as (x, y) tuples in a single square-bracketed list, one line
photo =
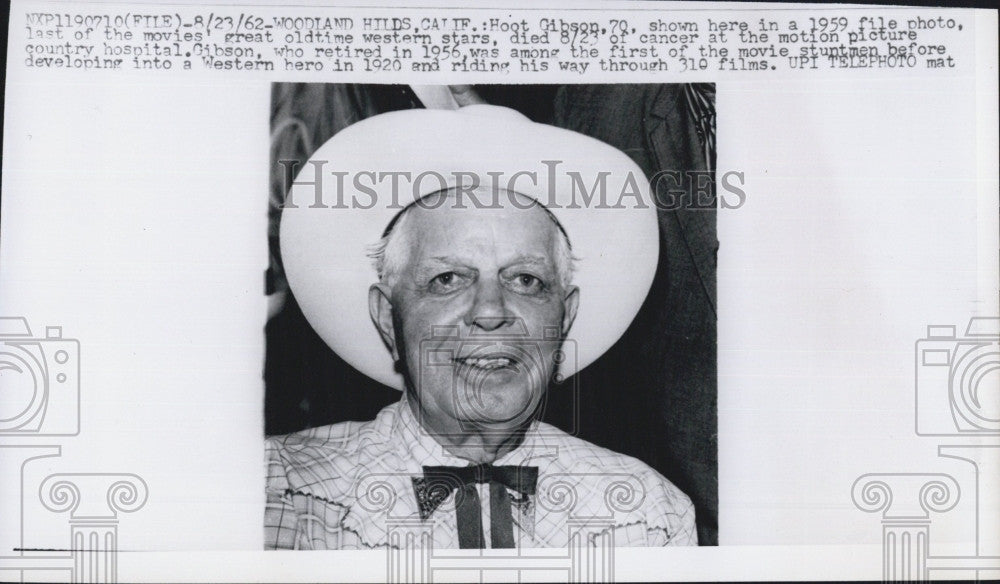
[(480, 281)]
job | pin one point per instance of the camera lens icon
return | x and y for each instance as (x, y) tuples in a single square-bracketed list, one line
[(975, 387), (39, 381), (492, 379), (958, 380), (522, 366), (20, 379)]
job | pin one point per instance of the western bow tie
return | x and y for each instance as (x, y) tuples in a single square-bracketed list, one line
[(439, 481)]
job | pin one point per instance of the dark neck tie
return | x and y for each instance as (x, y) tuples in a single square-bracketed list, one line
[(439, 481)]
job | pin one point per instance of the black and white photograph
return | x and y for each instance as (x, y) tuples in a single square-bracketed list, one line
[(549, 239)]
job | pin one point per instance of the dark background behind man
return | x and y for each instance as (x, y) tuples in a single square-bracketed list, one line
[(653, 394)]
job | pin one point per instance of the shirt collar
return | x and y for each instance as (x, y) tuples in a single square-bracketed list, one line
[(405, 448), (419, 448)]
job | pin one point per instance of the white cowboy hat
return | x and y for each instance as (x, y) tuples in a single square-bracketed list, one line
[(325, 241)]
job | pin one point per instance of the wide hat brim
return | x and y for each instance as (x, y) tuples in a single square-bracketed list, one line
[(325, 242)]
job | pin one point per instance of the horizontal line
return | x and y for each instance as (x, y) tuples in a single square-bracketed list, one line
[(608, 8), (962, 563), (115, 550)]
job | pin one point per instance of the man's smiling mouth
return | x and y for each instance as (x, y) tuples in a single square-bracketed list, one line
[(487, 363), (490, 358)]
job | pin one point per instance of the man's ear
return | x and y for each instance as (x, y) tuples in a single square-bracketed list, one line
[(380, 309), (570, 304)]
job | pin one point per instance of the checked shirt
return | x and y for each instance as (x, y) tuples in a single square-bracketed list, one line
[(350, 486)]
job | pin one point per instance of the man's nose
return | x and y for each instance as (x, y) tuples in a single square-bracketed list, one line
[(489, 309)]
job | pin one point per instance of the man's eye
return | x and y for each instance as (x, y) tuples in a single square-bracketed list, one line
[(445, 283), (527, 283), (445, 278)]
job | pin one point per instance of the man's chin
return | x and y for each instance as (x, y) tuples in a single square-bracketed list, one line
[(498, 408)]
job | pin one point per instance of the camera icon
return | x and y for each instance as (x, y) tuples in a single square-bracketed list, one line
[(500, 376), (39, 381), (958, 380)]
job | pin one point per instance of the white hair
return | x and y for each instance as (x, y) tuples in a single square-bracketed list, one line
[(390, 253)]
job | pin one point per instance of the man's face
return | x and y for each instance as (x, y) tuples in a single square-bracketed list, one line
[(477, 312)]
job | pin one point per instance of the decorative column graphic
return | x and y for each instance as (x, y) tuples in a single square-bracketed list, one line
[(906, 501), (957, 397), (39, 415), (588, 523), (94, 502)]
